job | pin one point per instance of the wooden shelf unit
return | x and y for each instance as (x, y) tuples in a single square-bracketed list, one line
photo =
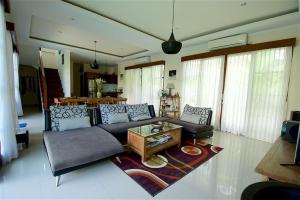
[(170, 106)]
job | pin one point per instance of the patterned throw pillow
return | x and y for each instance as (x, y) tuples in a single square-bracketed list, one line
[(134, 111), (203, 112), (114, 118), (105, 109), (63, 112)]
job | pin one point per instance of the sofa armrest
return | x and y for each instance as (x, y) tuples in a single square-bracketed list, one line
[(209, 118), (47, 120), (152, 111)]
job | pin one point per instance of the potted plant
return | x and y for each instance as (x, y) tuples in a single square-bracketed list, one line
[(99, 82)]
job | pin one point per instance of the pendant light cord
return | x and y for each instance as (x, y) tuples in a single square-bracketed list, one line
[(173, 16), (95, 49)]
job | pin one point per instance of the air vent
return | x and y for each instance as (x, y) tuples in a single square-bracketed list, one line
[(232, 41)]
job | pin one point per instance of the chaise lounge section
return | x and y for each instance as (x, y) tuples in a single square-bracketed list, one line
[(73, 149)]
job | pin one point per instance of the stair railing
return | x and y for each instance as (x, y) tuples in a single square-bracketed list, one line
[(43, 83)]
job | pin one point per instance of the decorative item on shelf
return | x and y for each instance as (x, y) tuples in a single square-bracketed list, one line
[(95, 65), (171, 46), (170, 86), (163, 93), (99, 82)]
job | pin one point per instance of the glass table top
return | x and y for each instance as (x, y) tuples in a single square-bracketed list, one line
[(150, 130)]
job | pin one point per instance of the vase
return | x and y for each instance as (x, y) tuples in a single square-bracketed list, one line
[(99, 95)]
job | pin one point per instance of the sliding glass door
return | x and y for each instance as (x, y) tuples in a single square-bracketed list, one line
[(202, 84), (255, 93), (144, 84)]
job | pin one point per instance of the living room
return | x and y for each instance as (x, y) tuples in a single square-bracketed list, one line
[(150, 99)]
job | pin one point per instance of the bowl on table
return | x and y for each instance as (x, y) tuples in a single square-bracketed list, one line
[(158, 125)]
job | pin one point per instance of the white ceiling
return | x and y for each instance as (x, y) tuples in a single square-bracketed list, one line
[(72, 35), (125, 27), (192, 17)]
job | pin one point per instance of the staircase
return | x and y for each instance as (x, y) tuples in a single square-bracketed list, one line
[(50, 86), (54, 86)]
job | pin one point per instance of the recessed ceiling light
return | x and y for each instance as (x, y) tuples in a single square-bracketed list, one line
[(243, 4)]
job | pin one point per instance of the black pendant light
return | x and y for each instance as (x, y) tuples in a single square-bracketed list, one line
[(171, 46), (95, 64)]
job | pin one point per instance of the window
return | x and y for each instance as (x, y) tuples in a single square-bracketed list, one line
[(251, 101), (144, 84), (255, 92), (202, 84)]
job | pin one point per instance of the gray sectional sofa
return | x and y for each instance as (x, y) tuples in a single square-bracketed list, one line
[(73, 149)]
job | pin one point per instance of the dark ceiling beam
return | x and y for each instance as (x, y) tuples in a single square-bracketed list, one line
[(112, 19), (240, 49), (149, 64)]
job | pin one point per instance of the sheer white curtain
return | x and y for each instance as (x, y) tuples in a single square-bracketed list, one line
[(152, 83), (143, 85), (133, 86), (8, 117), (255, 93), (202, 84), (16, 78)]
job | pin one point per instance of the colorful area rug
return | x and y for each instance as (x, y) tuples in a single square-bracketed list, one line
[(166, 167)]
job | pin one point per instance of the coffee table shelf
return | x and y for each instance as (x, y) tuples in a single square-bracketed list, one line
[(137, 139)]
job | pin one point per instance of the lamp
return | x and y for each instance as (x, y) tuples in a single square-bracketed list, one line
[(171, 46), (95, 64), (170, 86)]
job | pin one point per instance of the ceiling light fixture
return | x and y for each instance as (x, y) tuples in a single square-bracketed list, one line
[(95, 64), (171, 46)]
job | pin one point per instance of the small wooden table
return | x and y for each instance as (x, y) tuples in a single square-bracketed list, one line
[(137, 139), (281, 152)]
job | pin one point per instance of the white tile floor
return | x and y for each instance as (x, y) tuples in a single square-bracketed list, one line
[(222, 177)]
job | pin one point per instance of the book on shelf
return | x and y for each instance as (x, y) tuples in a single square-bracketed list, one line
[(158, 140)]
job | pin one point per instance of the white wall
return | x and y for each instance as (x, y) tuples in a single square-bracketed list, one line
[(174, 62), (65, 72), (49, 59)]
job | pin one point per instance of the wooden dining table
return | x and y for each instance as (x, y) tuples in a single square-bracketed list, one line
[(92, 101)]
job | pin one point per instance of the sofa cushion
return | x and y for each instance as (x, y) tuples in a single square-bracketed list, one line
[(141, 117), (117, 118), (63, 112), (190, 118), (79, 146), (105, 109), (191, 127), (74, 123), (120, 130), (203, 112), (137, 110)]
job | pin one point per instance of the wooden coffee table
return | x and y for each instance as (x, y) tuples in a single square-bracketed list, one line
[(138, 138)]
